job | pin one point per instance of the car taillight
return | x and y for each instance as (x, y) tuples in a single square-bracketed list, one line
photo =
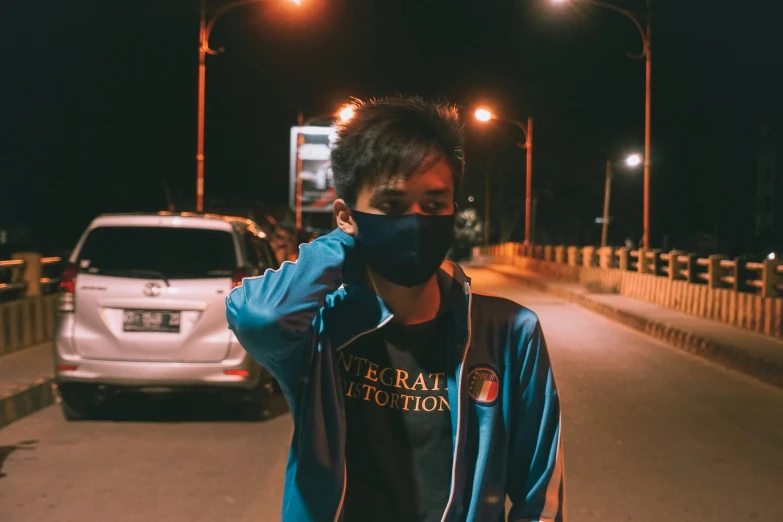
[(68, 279), (68, 288), (236, 279)]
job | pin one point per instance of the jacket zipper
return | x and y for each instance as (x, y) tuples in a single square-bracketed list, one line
[(345, 465), (459, 407)]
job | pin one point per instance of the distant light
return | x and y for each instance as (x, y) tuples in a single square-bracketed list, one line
[(559, 1), (483, 115), (771, 255), (470, 199), (297, 2), (634, 160), (346, 113)]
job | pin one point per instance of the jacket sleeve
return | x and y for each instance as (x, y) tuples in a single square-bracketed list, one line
[(535, 479), (272, 315)]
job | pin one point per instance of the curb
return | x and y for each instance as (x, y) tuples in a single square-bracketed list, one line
[(725, 355), (26, 400)]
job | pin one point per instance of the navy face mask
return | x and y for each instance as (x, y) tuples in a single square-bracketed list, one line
[(405, 250)]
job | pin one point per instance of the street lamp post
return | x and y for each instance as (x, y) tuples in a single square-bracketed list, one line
[(205, 29), (607, 192), (485, 115), (645, 32), (528, 146), (632, 161)]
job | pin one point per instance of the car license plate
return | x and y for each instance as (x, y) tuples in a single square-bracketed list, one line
[(151, 321)]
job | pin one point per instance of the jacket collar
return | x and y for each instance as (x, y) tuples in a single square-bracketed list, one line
[(357, 310)]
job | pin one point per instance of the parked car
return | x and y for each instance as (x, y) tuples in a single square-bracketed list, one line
[(142, 307)]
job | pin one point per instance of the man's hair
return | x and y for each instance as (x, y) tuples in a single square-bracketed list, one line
[(393, 137)]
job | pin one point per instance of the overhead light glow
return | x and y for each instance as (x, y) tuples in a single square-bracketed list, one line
[(346, 113), (483, 115), (634, 160)]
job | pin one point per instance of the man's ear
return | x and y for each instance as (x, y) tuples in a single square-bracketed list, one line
[(343, 217)]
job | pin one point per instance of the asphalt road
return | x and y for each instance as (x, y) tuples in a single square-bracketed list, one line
[(651, 434)]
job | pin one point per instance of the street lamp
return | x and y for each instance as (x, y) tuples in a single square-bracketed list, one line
[(342, 115), (346, 113), (645, 33), (485, 115), (205, 29), (632, 161)]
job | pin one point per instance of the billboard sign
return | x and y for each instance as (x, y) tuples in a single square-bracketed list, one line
[(311, 164)]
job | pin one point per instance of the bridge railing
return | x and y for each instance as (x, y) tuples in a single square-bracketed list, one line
[(715, 271), (29, 275)]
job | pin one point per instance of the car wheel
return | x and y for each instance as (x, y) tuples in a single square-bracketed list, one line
[(77, 401)]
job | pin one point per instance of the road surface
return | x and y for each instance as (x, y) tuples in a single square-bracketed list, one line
[(651, 434)]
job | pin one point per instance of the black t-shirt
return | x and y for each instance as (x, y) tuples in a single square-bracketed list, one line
[(399, 435)]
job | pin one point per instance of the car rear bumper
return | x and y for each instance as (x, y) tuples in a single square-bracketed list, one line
[(236, 371), (157, 374)]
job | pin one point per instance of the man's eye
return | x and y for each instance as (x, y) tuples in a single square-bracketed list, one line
[(433, 207), (392, 208)]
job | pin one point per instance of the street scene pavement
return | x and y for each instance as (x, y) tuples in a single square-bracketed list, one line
[(651, 433)]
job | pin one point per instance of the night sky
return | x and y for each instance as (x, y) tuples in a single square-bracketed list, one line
[(100, 104)]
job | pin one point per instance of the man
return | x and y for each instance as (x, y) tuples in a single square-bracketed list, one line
[(413, 398)]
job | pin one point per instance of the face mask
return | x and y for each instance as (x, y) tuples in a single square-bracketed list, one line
[(405, 250)]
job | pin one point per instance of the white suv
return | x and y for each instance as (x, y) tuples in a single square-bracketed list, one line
[(142, 307)]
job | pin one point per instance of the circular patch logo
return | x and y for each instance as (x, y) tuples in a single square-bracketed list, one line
[(483, 384)]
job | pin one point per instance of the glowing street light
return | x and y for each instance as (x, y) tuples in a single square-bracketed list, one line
[(342, 115), (483, 115), (346, 113), (634, 160)]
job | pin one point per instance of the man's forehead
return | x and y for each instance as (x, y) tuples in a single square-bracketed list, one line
[(435, 177)]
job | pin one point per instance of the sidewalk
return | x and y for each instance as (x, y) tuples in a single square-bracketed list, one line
[(26, 379), (747, 352)]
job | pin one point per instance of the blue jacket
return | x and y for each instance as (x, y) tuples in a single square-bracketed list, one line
[(506, 428)]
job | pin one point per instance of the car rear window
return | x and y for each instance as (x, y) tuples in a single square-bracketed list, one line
[(165, 252)]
